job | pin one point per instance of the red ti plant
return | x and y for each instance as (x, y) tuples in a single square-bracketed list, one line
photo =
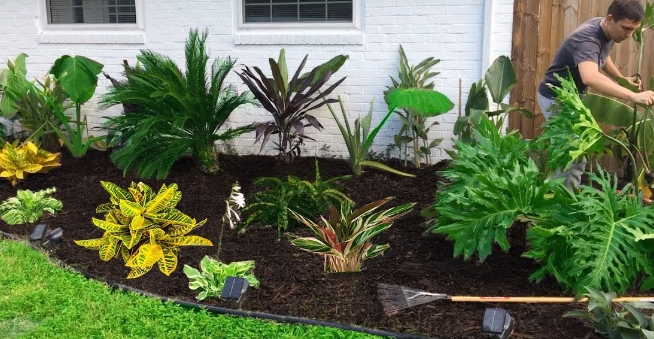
[(289, 102)]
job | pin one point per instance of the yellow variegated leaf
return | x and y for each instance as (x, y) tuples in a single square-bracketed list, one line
[(148, 255), (189, 240), (138, 222), (92, 244), (181, 230), (146, 192), (174, 218), (162, 200), (115, 191), (124, 252), (108, 226), (130, 208), (103, 208), (156, 233), (109, 249), (137, 196), (132, 239), (138, 272), (31, 147), (32, 168), (168, 262), (6, 174), (19, 174)]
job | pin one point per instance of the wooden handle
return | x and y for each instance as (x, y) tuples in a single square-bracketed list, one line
[(539, 299)]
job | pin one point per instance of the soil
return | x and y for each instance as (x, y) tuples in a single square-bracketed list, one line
[(292, 281)]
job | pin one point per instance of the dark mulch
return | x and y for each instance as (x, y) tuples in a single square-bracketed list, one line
[(292, 281)]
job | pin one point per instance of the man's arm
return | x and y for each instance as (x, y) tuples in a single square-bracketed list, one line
[(611, 69), (592, 78)]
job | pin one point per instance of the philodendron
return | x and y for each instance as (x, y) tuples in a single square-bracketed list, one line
[(27, 207)]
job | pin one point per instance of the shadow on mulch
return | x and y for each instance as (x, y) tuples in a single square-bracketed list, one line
[(292, 281)]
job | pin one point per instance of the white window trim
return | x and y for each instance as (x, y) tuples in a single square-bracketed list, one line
[(300, 33), (91, 33)]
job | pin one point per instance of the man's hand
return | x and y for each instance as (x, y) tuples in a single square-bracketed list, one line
[(644, 98), (634, 81)]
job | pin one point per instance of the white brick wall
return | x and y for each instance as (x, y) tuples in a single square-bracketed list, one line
[(450, 31)]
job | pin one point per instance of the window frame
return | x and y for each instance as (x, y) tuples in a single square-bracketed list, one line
[(47, 26), (357, 8)]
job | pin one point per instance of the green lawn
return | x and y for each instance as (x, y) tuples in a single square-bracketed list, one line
[(40, 300)]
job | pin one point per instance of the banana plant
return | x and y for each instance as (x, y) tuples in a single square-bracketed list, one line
[(78, 77), (14, 85), (498, 80)]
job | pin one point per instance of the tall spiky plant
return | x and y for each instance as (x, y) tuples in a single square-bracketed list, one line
[(179, 113)]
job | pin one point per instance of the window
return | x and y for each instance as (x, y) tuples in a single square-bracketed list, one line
[(297, 11), (91, 11)]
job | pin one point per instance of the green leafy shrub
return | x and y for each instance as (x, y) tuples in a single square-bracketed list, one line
[(144, 228), (597, 241), (496, 184), (210, 279), (175, 113), (27, 207), (345, 238), (625, 322), (310, 199)]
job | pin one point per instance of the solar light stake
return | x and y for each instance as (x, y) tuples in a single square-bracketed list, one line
[(234, 291), (497, 322)]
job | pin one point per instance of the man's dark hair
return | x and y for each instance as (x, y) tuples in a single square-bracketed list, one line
[(626, 9)]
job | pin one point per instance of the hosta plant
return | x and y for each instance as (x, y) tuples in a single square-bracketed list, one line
[(271, 206), (27, 207), (345, 238), (626, 321), (144, 228), (18, 160), (210, 279), (290, 101), (176, 112), (600, 240)]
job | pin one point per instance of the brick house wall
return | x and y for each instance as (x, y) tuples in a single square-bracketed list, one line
[(466, 35)]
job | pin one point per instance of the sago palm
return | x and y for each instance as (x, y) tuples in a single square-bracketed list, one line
[(179, 113)]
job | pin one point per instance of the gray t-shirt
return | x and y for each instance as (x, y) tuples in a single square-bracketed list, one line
[(586, 43)]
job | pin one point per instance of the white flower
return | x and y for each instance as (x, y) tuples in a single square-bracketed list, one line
[(235, 202)]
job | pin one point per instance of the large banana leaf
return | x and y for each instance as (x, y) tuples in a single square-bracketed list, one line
[(425, 102), (610, 111), (500, 78), (78, 76), (14, 83)]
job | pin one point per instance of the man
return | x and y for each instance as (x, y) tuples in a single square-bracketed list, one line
[(585, 52)]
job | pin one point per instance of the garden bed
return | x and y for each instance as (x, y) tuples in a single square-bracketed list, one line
[(292, 281)]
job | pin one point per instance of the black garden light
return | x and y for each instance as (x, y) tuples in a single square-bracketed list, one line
[(38, 232), (497, 322), (235, 290), (53, 237)]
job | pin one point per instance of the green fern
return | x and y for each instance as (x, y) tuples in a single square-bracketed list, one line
[(594, 242), (492, 185), (178, 113), (309, 199)]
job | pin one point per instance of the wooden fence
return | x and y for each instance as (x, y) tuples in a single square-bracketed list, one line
[(539, 27)]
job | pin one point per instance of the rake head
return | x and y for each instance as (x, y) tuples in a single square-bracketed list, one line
[(395, 298)]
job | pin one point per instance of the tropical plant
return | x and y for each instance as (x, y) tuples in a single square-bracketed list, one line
[(356, 140), (18, 160), (414, 127), (176, 113), (14, 85), (496, 184), (499, 79), (143, 227), (290, 102), (78, 78), (271, 206), (596, 240), (345, 239), (210, 279), (27, 207), (625, 322)]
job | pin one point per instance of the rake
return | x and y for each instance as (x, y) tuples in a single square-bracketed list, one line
[(395, 298)]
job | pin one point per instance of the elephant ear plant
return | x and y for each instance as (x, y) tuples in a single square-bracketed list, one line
[(144, 228), (176, 113), (78, 78), (345, 237), (290, 102), (27, 207)]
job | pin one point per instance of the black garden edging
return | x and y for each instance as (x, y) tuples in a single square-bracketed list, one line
[(222, 310)]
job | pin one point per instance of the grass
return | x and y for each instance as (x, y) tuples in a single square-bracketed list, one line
[(42, 300)]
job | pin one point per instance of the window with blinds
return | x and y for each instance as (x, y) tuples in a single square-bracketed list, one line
[(289, 11), (91, 11)]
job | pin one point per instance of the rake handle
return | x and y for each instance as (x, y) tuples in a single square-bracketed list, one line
[(539, 299)]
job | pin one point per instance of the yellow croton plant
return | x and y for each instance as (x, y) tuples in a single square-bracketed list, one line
[(18, 160), (144, 228)]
